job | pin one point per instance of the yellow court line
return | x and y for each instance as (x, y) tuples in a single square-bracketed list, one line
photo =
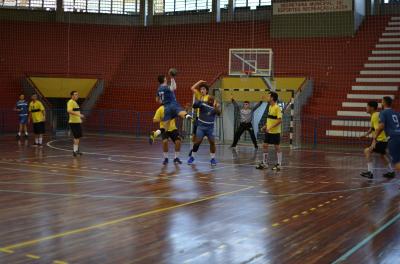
[(32, 256), (59, 262), (6, 250), (120, 220)]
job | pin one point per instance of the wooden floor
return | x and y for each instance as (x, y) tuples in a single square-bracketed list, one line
[(118, 204)]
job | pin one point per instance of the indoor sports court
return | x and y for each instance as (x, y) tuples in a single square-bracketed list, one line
[(200, 131)]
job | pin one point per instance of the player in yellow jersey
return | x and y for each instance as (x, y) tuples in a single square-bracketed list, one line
[(272, 130), (171, 133), (37, 115), (75, 120), (200, 91), (380, 146)]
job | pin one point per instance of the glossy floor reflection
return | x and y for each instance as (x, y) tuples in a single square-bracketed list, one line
[(118, 204)]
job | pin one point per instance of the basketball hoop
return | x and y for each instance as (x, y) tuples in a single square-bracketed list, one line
[(246, 74)]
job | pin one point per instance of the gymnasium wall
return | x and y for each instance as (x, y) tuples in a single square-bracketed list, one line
[(130, 58)]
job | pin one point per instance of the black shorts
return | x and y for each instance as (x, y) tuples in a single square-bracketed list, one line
[(173, 135), (76, 130), (195, 123), (380, 147), (273, 139), (39, 128)]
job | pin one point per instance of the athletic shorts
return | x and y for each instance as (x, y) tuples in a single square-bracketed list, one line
[(380, 147), (272, 139), (76, 130), (39, 128), (23, 120), (194, 126), (205, 131), (173, 135), (394, 149), (171, 111)]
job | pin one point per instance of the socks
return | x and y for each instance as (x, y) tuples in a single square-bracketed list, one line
[(36, 140), (279, 154), (26, 133), (40, 140), (19, 133), (76, 147), (265, 158), (212, 155), (165, 154), (157, 133), (370, 166), (177, 155)]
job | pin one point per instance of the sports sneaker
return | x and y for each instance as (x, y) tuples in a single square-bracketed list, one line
[(367, 174), (261, 166), (151, 138), (26, 136), (389, 175), (18, 137), (190, 160), (74, 153), (165, 162), (213, 162), (277, 167), (177, 161), (35, 145)]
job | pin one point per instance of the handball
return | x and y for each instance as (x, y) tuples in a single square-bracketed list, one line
[(173, 72)]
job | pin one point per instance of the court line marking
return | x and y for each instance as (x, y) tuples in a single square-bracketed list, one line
[(78, 195), (363, 242), (138, 175), (119, 220), (48, 183), (49, 144), (305, 212), (70, 175)]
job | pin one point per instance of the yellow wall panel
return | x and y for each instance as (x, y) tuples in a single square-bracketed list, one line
[(61, 87)]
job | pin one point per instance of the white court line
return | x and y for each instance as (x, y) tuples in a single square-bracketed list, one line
[(49, 144), (318, 193), (48, 183), (98, 196), (248, 164)]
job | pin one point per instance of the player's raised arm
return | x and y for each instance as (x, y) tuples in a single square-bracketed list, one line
[(196, 86)]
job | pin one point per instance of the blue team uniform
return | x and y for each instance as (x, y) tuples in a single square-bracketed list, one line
[(205, 125), (391, 120), (23, 114), (168, 99)]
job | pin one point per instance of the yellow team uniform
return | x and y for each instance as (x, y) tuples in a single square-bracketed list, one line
[(72, 105), (198, 96), (159, 115), (274, 113), (375, 124), (36, 108)]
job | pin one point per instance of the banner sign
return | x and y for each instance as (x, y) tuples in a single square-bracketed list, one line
[(312, 6)]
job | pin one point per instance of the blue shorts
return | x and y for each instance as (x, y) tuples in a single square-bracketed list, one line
[(394, 149), (205, 131), (23, 120), (171, 111)]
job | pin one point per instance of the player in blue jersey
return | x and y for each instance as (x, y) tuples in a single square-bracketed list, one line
[(166, 97), (205, 127), (390, 123), (22, 109)]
